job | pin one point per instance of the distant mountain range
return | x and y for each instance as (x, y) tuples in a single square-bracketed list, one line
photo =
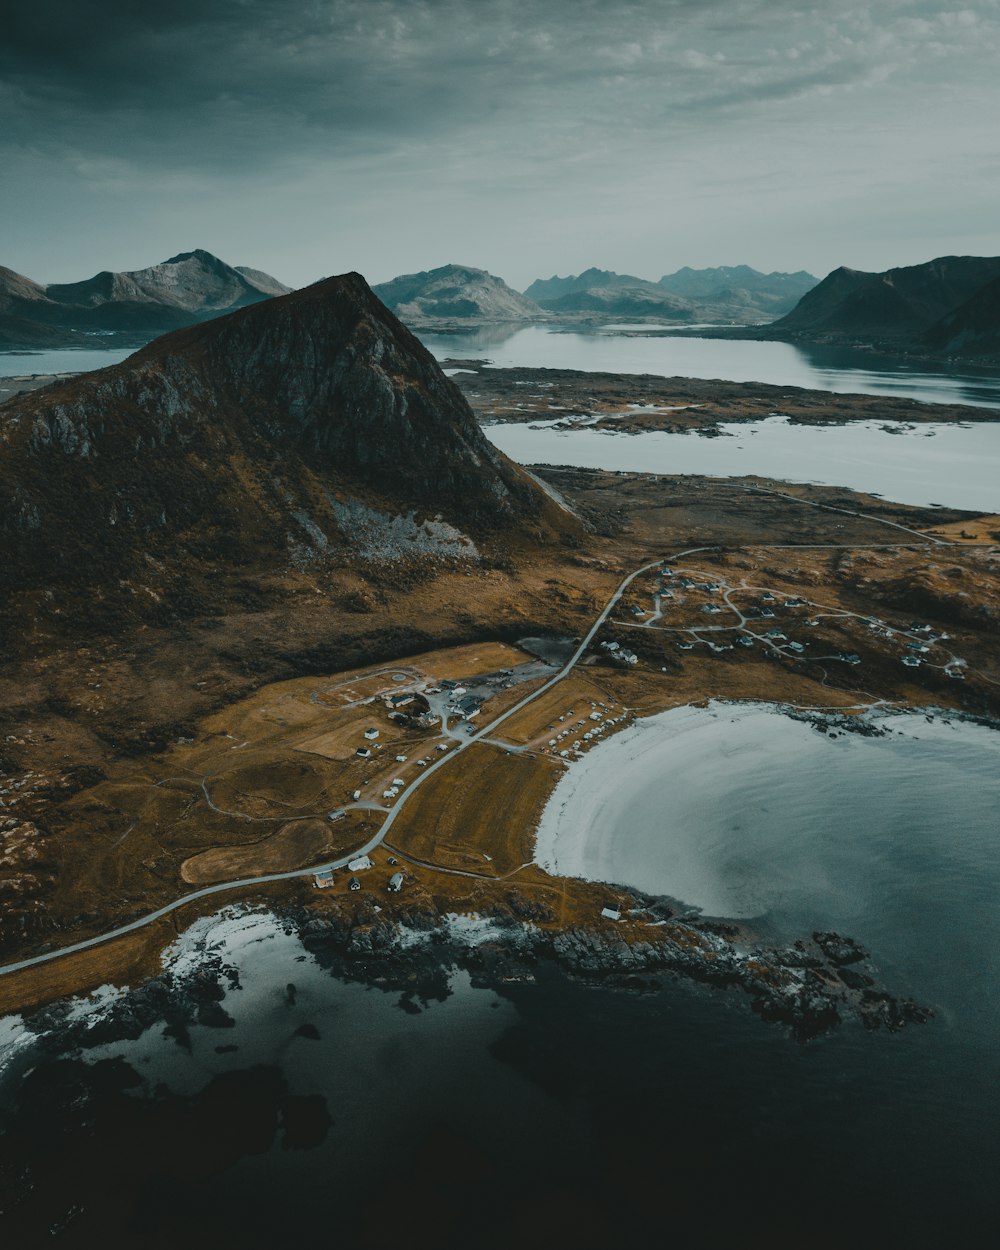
[(188, 288), (949, 306), (455, 292), (735, 294)]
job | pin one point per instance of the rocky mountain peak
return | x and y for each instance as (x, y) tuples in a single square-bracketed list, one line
[(239, 442)]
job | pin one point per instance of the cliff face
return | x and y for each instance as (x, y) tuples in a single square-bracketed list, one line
[(238, 444)]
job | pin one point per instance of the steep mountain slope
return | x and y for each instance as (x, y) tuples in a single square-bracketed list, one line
[(554, 288), (189, 287), (454, 292), (309, 429), (898, 306), (972, 329)]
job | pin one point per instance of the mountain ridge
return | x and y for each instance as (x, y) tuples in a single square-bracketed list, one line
[(240, 443), (455, 292), (186, 288), (895, 306)]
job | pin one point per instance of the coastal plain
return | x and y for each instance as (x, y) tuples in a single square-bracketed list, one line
[(243, 781)]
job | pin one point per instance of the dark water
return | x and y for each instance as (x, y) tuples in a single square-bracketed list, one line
[(542, 1115), (841, 369)]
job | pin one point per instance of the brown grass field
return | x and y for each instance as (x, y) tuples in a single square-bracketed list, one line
[(298, 844), (479, 814)]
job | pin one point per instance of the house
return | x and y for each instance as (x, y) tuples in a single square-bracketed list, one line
[(797, 647), (354, 884), (468, 707), (448, 685), (850, 657), (767, 597), (336, 814), (400, 759), (768, 612), (395, 883), (685, 646), (744, 640), (356, 795), (359, 864), (636, 611), (776, 634), (371, 734), (363, 753), (911, 661), (323, 879), (611, 913), (713, 608), (398, 782), (399, 700)]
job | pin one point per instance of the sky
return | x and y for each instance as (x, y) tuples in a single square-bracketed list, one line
[(527, 137)]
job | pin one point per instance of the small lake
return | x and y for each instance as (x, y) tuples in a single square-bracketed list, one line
[(956, 466), (839, 369)]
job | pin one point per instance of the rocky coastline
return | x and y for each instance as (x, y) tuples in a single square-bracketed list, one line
[(809, 987)]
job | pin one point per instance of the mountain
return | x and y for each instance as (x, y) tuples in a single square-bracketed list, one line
[(971, 329), (896, 308), (738, 294), (543, 290), (624, 301), (455, 292), (189, 287), (773, 292), (306, 429)]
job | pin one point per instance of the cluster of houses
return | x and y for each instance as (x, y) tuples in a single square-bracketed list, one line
[(620, 654), (601, 721), (916, 652), (324, 878)]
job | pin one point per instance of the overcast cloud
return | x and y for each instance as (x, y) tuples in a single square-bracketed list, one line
[(312, 136)]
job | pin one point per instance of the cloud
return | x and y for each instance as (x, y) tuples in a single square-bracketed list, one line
[(372, 106)]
